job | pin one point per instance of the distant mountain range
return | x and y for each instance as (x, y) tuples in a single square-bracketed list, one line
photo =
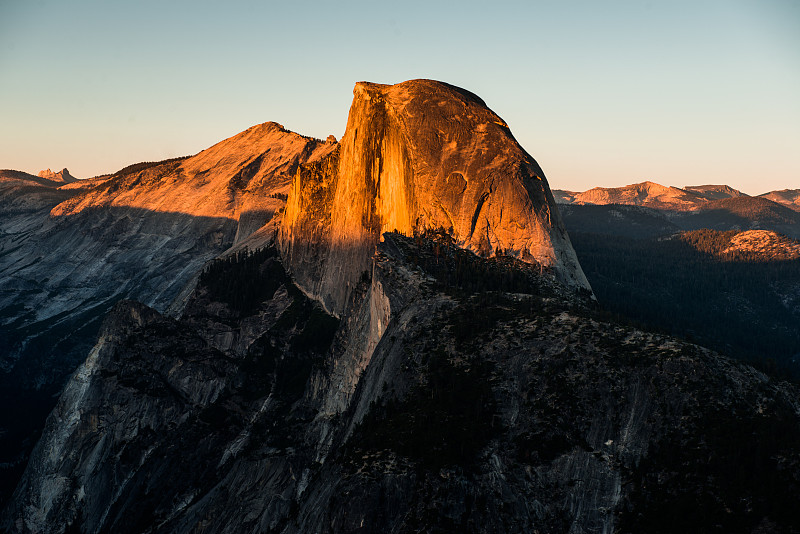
[(653, 195), (706, 262), (787, 197), (649, 209)]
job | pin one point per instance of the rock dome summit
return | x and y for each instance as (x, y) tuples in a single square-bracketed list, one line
[(421, 155)]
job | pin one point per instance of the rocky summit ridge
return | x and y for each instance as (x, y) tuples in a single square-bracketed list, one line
[(63, 176), (688, 198), (416, 156), (787, 197), (649, 194)]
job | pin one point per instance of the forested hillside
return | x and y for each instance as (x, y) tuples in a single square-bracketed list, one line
[(741, 303)]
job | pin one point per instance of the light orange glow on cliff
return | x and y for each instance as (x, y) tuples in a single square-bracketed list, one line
[(415, 156), (243, 174)]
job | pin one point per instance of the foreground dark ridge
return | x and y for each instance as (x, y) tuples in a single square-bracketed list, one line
[(478, 411)]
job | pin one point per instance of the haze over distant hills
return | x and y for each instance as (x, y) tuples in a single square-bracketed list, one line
[(653, 195), (719, 207)]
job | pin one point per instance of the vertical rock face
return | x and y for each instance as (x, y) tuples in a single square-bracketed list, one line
[(416, 156)]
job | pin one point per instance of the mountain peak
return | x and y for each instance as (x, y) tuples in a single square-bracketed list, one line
[(416, 156), (62, 176), (647, 193), (788, 197), (715, 192)]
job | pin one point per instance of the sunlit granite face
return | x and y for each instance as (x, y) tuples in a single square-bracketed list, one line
[(415, 156)]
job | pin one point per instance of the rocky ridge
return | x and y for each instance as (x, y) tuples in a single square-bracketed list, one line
[(653, 195), (68, 252), (63, 176), (649, 194), (718, 207), (787, 197), (144, 233), (760, 245), (714, 192), (524, 412)]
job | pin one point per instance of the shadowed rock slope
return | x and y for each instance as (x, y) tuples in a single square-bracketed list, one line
[(140, 234), (69, 252), (474, 409)]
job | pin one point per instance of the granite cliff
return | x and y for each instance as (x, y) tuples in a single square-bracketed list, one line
[(416, 156), (428, 156)]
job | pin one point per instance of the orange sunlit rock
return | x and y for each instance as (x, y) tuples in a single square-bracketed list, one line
[(420, 155), (241, 175)]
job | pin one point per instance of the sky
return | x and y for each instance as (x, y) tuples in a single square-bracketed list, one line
[(599, 93)]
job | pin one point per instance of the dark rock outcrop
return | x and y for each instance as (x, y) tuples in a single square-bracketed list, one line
[(475, 412)]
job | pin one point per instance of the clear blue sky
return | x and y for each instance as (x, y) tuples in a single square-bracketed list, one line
[(600, 93)]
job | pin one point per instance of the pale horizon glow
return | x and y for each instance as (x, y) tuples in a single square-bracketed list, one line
[(601, 94)]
